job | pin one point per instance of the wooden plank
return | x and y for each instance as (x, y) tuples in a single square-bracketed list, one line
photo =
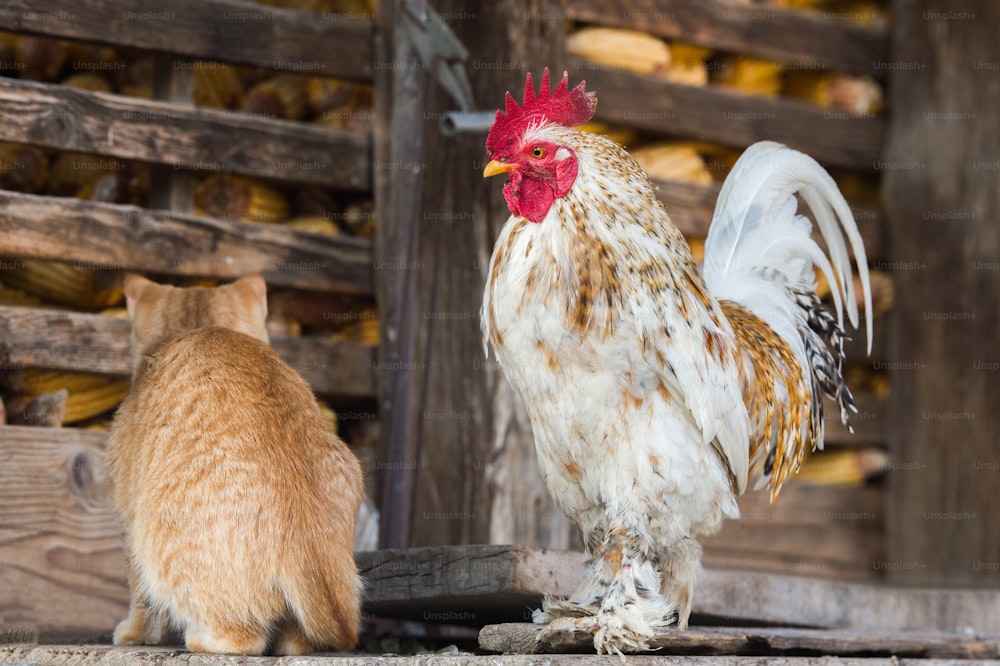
[(802, 39), (475, 584), (182, 136), (61, 562), (572, 637), (712, 113), (122, 237), (106, 655), (93, 343), (224, 30), (940, 194), (813, 530)]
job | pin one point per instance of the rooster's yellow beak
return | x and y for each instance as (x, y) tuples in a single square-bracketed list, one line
[(496, 166)]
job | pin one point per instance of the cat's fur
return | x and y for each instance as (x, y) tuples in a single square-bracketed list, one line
[(238, 502)]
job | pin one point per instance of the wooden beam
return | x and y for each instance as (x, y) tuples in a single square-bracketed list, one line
[(313, 43), (485, 582), (942, 204), (531, 639), (802, 39), (123, 237), (182, 136), (712, 113), (93, 343)]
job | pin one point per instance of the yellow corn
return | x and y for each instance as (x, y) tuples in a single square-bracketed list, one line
[(83, 287), (855, 94), (359, 219), (845, 467), (624, 49), (355, 114), (35, 381), (95, 400), (673, 161), (759, 77), (40, 58), (688, 64), (623, 136), (363, 331), (217, 85), (237, 198), (136, 80), (71, 171), (315, 223), (325, 93), (22, 168), (281, 96), (328, 414), (12, 296), (88, 81)]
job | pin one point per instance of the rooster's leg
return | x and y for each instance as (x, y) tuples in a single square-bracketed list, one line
[(620, 601)]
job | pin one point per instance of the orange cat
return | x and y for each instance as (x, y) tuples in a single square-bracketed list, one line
[(238, 503)]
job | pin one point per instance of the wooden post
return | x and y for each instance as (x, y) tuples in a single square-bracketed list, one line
[(943, 203), (471, 455)]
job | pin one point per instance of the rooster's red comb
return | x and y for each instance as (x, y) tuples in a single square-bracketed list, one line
[(561, 106)]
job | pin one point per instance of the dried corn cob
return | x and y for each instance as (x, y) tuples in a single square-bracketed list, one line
[(315, 223), (82, 287), (93, 57), (35, 381), (759, 77), (328, 414), (136, 79), (688, 64), (843, 467), (282, 96), (624, 49), (88, 81), (40, 58), (364, 331), (12, 296), (8, 52), (353, 115), (359, 219), (46, 410), (22, 168), (325, 93), (96, 400), (855, 94), (624, 136), (673, 161), (217, 85), (237, 198), (71, 171)]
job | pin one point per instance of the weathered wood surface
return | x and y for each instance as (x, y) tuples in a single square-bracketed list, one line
[(61, 562), (81, 342), (522, 638), (182, 136), (449, 584), (942, 203), (804, 39), (712, 113), (122, 237), (225, 30), (811, 530), (105, 655)]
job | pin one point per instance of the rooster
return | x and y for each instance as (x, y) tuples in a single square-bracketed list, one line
[(657, 390)]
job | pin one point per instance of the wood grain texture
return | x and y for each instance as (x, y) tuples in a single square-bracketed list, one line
[(93, 343), (105, 655), (803, 39), (61, 563), (223, 30), (121, 237), (529, 639), (942, 202), (512, 580), (182, 136), (711, 113)]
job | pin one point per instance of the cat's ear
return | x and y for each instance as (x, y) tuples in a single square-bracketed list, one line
[(135, 285), (254, 290)]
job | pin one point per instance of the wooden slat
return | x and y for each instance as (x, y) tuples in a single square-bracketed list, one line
[(185, 137), (124, 237), (567, 636), (225, 30), (31, 337), (712, 113), (815, 40), (62, 654), (60, 543), (485, 582)]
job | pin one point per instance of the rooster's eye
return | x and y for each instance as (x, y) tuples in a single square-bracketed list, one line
[(538, 151)]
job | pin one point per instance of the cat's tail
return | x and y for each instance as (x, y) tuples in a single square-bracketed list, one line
[(324, 595)]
